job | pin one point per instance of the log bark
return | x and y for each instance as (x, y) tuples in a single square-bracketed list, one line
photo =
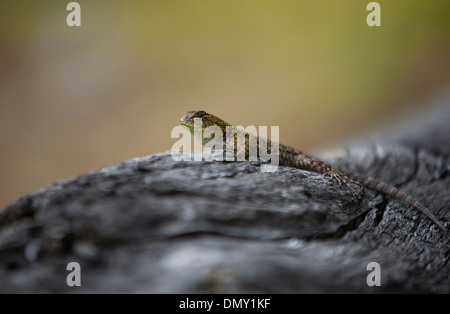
[(155, 225)]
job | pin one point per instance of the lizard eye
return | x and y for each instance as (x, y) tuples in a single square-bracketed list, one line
[(201, 114)]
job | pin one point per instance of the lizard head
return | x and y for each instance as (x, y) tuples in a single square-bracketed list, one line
[(206, 120)]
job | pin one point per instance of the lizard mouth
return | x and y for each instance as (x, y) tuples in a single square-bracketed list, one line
[(185, 117), (188, 118)]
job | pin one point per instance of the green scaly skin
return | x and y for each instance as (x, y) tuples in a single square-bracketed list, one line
[(291, 157)]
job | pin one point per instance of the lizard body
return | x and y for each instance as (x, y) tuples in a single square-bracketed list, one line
[(291, 157)]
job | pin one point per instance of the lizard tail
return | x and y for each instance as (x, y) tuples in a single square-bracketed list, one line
[(373, 184)]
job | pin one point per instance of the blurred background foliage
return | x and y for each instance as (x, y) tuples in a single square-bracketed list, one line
[(76, 99)]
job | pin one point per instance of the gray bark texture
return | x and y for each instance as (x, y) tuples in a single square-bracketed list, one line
[(159, 226)]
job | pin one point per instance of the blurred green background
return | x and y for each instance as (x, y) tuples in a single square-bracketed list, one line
[(76, 99)]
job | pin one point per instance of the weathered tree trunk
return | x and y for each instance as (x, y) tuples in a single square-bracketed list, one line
[(155, 225)]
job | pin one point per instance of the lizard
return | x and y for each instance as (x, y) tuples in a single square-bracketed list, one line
[(291, 157)]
